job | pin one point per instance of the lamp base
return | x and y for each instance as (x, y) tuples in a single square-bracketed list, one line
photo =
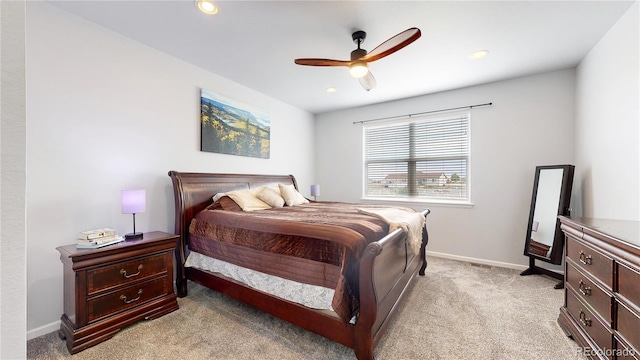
[(131, 236)]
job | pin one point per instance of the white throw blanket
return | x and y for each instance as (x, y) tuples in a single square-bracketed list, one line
[(411, 222)]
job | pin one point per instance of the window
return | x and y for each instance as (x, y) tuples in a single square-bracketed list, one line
[(425, 158)]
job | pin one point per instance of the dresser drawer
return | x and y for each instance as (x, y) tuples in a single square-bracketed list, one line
[(625, 352), (600, 334), (127, 298), (629, 284), (591, 260), (629, 325), (589, 292), (126, 272)]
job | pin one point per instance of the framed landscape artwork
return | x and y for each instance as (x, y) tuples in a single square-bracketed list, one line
[(231, 127)]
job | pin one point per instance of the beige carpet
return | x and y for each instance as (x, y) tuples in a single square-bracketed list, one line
[(457, 311)]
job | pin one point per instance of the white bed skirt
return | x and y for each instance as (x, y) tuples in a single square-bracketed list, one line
[(312, 296)]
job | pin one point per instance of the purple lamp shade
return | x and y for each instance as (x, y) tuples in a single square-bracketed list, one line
[(133, 201)]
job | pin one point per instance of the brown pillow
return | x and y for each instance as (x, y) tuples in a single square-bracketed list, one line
[(214, 206), (228, 204)]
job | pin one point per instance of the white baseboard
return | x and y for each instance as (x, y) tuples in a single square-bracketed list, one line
[(43, 330), (477, 261)]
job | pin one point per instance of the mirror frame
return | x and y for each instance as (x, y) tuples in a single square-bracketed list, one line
[(557, 248)]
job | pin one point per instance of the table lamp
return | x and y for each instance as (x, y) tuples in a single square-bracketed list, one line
[(315, 191), (133, 201)]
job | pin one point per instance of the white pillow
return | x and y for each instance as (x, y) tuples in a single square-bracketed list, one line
[(248, 199), (291, 196), (271, 197)]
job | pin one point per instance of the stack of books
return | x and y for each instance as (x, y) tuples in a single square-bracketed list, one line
[(92, 239)]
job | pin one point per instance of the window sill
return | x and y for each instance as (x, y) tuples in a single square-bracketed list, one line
[(414, 202)]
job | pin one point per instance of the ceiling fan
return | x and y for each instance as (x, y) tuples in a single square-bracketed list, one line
[(359, 57)]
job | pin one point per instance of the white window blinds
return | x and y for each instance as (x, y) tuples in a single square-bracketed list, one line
[(425, 158)]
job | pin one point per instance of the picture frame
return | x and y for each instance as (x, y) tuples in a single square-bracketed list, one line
[(232, 127)]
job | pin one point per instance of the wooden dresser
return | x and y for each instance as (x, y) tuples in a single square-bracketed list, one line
[(601, 311), (109, 288)]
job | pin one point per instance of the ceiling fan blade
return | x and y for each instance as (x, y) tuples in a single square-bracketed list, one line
[(393, 44), (368, 82), (322, 62)]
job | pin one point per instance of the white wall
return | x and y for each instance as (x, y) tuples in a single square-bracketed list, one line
[(13, 268), (530, 123), (105, 113), (607, 117)]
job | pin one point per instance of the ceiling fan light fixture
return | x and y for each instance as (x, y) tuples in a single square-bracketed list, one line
[(207, 7), (358, 64), (358, 69)]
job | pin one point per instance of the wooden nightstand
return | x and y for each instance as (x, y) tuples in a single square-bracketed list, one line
[(109, 288)]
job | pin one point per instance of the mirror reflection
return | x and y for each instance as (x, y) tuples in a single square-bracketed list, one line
[(543, 227)]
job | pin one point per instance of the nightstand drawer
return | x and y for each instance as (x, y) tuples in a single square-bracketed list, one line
[(589, 292), (590, 323), (126, 298), (125, 272), (591, 260)]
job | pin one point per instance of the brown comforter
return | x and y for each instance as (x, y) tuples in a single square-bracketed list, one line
[(316, 243)]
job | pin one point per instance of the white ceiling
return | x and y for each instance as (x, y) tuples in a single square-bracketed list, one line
[(254, 43)]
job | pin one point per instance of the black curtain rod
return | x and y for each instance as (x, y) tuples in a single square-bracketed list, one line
[(423, 113)]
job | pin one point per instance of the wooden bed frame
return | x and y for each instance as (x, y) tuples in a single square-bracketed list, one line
[(385, 268)]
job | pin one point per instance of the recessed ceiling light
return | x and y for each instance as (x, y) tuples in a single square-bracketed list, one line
[(207, 7), (478, 54), (331, 90)]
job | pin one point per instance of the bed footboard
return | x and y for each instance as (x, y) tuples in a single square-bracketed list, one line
[(386, 270)]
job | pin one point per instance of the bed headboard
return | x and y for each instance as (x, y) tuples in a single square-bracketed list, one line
[(193, 191)]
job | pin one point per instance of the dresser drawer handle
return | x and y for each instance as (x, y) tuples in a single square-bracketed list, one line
[(584, 289), (124, 298), (124, 272), (584, 258), (584, 320)]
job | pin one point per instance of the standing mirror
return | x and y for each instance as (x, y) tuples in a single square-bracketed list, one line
[(551, 197)]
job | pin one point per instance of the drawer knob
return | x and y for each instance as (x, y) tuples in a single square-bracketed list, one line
[(124, 298), (584, 258), (584, 320), (584, 289), (124, 272)]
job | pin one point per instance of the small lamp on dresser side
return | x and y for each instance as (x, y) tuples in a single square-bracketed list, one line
[(315, 191), (133, 201)]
